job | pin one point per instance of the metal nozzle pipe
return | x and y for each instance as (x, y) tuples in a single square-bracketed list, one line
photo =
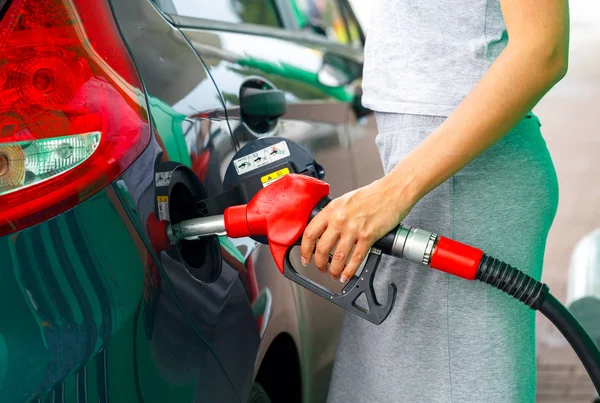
[(196, 228)]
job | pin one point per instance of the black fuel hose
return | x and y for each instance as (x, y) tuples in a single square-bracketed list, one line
[(578, 338), (536, 295)]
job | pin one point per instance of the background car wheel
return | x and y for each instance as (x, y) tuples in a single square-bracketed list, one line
[(258, 394)]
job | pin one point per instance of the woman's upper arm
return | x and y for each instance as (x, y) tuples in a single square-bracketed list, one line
[(541, 26)]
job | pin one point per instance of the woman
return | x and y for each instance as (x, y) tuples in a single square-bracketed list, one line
[(463, 157)]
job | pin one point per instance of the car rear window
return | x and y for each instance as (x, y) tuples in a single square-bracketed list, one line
[(260, 12)]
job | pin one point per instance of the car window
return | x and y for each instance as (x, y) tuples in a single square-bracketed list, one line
[(322, 17), (261, 12)]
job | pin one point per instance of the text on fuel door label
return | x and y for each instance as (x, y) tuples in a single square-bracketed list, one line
[(261, 158), (273, 176)]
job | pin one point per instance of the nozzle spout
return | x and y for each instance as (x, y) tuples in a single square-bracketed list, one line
[(196, 228)]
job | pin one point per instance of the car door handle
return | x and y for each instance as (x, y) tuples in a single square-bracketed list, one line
[(257, 104), (263, 306)]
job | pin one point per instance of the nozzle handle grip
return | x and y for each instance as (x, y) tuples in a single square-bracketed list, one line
[(374, 312)]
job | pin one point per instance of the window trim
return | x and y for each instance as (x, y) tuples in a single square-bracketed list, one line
[(275, 5), (297, 35)]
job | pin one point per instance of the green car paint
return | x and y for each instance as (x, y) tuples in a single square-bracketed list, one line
[(168, 123), (99, 274), (3, 357), (228, 246), (71, 284), (142, 369)]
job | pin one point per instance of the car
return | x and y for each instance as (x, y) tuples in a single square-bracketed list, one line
[(118, 116)]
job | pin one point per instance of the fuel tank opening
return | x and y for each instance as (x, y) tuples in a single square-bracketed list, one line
[(201, 257)]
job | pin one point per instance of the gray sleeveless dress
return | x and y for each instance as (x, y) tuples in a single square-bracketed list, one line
[(448, 339)]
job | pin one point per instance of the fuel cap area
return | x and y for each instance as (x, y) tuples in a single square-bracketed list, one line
[(178, 191)]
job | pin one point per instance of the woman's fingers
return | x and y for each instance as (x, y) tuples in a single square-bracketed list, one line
[(312, 232), (325, 245), (340, 256), (357, 217), (359, 254)]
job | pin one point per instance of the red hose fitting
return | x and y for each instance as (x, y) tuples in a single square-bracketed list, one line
[(236, 222), (456, 258)]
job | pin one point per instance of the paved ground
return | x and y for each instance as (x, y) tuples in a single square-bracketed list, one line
[(570, 118)]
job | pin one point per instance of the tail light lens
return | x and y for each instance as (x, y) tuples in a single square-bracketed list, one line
[(72, 113)]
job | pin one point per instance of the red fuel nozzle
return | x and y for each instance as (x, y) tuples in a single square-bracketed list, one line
[(280, 212), (456, 258)]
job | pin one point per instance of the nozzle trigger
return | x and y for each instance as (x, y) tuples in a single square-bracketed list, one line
[(375, 313)]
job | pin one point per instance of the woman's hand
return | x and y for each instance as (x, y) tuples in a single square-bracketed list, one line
[(356, 219)]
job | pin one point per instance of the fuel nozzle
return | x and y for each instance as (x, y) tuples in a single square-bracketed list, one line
[(196, 228), (278, 213)]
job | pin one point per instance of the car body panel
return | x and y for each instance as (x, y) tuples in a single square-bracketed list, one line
[(189, 125), (144, 325), (77, 284), (80, 283)]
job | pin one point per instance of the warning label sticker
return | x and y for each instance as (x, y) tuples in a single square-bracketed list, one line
[(261, 158), (273, 176), (163, 210), (163, 178)]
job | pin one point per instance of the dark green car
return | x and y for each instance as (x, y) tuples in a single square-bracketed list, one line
[(117, 116)]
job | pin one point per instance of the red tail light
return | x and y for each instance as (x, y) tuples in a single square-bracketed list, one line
[(72, 113)]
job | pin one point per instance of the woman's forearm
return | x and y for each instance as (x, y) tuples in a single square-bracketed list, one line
[(515, 82)]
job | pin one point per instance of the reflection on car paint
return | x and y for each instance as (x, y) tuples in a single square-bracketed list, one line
[(194, 320), (179, 307), (104, 294), (233, 57), (60, 284)]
